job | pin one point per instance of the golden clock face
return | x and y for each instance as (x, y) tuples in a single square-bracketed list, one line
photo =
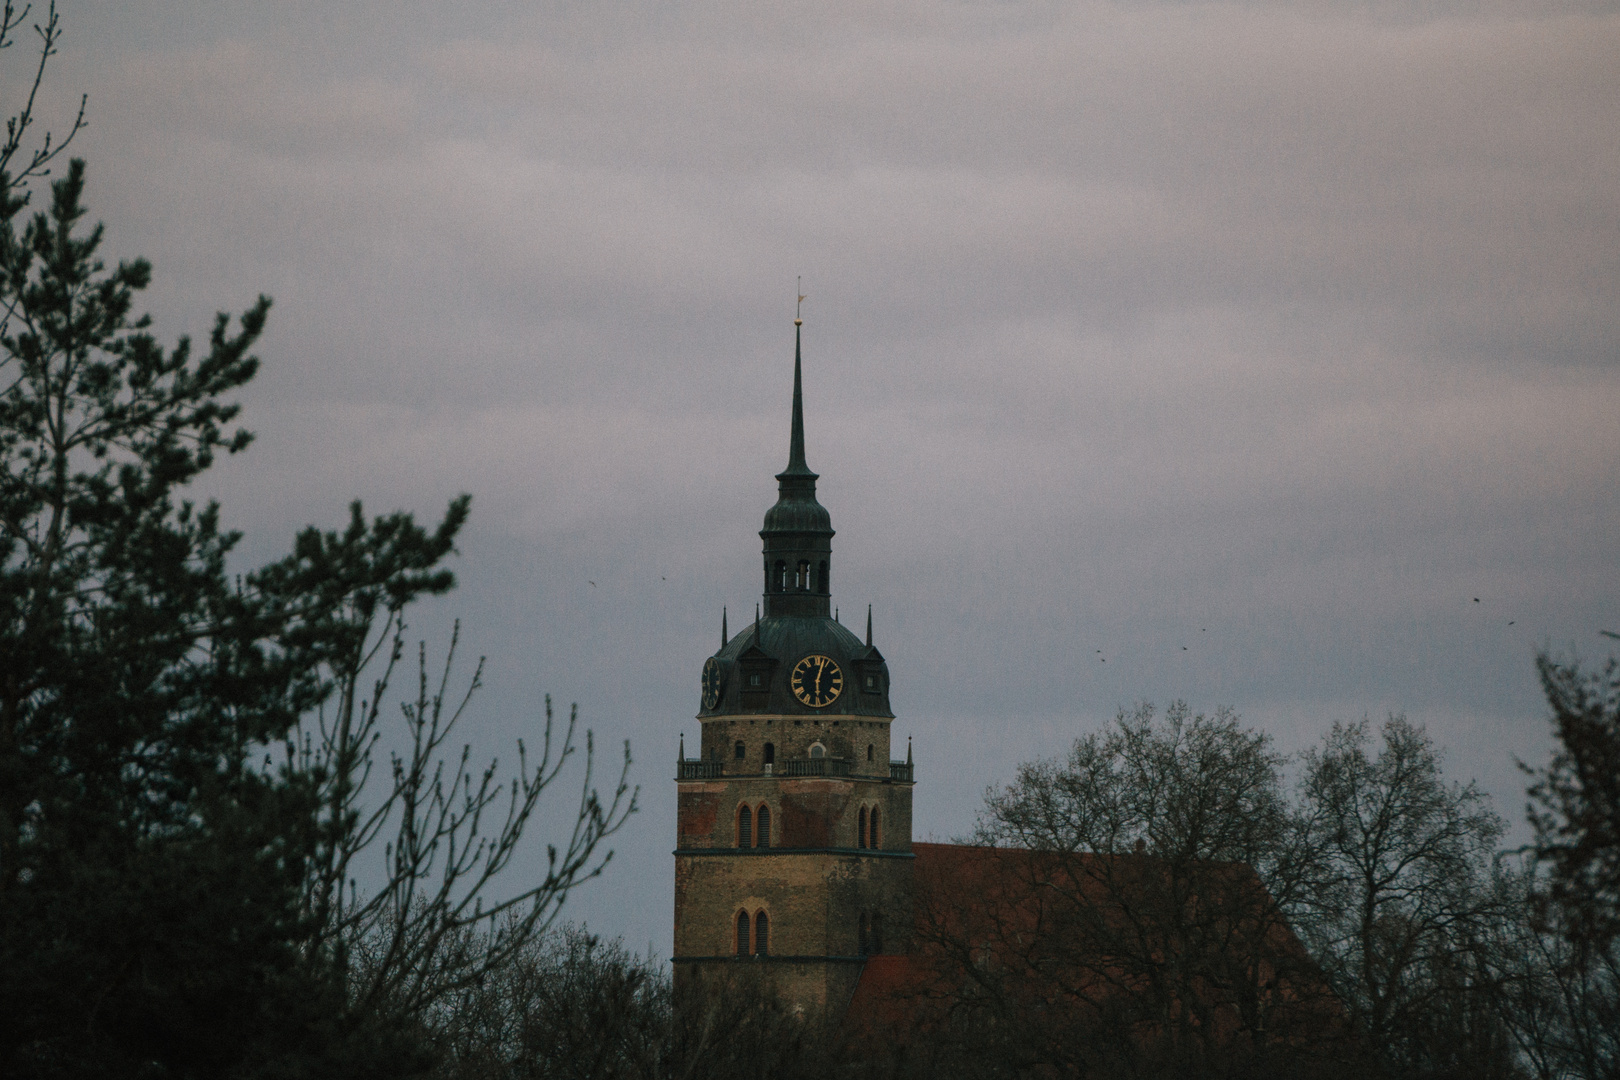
[(712, 682), (816, 681)]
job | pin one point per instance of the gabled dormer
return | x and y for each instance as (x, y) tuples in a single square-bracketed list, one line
[(871, 672), (755, 670)]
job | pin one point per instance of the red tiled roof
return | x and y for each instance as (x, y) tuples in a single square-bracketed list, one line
[(999, 888)]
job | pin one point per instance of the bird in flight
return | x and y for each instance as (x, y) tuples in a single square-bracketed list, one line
[(592, 584)]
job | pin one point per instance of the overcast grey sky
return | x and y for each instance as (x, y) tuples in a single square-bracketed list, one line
[(1247, 343)]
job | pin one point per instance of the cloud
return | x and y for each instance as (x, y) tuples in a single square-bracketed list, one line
[(1275, 330)]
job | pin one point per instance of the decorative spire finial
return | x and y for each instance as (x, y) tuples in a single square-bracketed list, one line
[(724, 637), (683, 746), (869, 626), (797, 319), (908, 749)]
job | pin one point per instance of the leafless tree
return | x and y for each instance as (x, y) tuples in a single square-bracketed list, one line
[(1404, 904), (1142, 931), (39, 158), (403, 871)]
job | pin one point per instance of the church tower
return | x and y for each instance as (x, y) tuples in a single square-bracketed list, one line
[(793, 833)]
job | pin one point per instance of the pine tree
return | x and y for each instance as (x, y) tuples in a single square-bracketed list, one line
[(180, 826)]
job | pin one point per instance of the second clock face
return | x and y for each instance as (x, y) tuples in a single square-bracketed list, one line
[(711, 683), (817, 681)]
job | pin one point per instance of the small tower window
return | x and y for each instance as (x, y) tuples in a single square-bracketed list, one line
[(754, 680), (745, 826), (770, 753), (817, 750), (741, 751), (762, 934), (860, 839), (781, 576), (764, 827), (742, 933), (876, 837), (802, 581), (868, 751)]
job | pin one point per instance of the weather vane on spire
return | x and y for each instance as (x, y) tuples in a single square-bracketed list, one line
[(797, 318)]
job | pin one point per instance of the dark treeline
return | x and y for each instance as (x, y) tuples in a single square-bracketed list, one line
[(224, 853), (572, 1007), (1382, 931), (1393, 937)]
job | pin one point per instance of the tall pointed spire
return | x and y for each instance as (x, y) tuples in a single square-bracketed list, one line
[(798, 530), (724, 637), (796, 463), (869, 626)]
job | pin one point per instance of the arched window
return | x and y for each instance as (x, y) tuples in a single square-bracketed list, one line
[(745, 824), (876, 836), (780, 584), (876, 942), (860, 937), (770, 753), (762, 934), (817, 750), (821, 577), (868, 751), (764, 821), (742, 751), (861, 837), (803, 580), (742, 933)]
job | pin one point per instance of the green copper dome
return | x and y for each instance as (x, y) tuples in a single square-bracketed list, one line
[(798, 516), (756, 670)]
